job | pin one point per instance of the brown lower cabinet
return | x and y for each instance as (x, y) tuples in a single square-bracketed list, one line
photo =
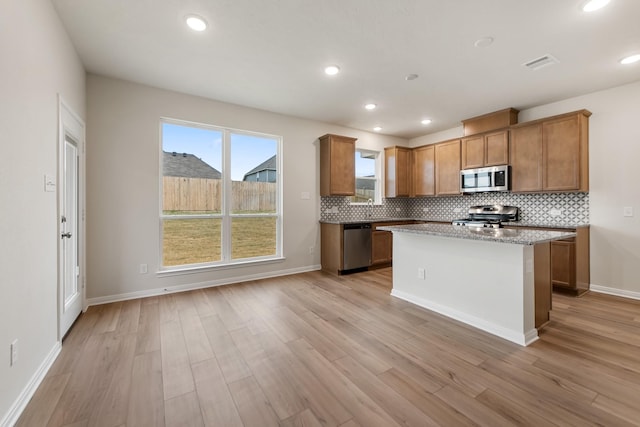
[(382, 243), (569, 269), (570, 263), (542, 283), (381, 247), (331, 248)]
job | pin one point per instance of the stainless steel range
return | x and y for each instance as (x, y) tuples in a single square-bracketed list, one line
[(489, 216)]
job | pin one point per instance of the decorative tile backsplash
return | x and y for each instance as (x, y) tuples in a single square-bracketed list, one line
[(344, 211), (543, 209)]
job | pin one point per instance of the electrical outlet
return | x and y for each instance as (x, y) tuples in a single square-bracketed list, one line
[(425, 209), (627, 211), (311, 249), (143, 269), (457, 210), (14, 352), (555, 212), (421, 273)]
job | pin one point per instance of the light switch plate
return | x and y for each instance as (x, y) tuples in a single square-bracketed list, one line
[(49, 183), (305, 195), (627, 211)]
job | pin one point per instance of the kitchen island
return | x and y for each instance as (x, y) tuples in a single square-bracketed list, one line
[(496, 280)]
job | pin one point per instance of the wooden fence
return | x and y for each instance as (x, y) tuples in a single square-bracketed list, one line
[(200, 194), (363, 195)]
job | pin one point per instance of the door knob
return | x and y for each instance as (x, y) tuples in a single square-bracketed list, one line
[(67, 235)]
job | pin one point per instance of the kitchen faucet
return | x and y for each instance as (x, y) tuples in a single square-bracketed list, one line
[(370, 208)]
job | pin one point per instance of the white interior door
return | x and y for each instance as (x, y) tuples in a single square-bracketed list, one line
[(71, 227), (71, 292)]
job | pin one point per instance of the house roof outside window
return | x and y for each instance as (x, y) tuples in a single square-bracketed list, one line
[(267, 165), (187, 165)]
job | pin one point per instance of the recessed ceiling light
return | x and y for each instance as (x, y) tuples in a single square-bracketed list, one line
[(377, 128), (592, 5), (332, 70), (426, 121), (370, 106), (196, 23), (483, 42), (630, 59)]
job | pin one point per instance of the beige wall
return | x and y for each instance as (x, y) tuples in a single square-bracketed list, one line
[(123, 151), (614, 159), (38, 63)]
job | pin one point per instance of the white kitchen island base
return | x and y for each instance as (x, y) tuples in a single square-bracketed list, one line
[(486, 284)]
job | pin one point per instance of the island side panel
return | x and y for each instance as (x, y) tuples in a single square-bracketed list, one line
[(488, 285)]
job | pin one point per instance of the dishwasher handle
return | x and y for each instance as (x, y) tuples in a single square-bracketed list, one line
[(362, 226)]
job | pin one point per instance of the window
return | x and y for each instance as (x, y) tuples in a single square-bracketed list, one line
[(367, 177), (221, 196)]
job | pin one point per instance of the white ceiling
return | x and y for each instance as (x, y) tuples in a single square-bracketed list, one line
[(270, 54)]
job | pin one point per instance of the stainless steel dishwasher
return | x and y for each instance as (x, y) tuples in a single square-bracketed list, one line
[(356, 240)]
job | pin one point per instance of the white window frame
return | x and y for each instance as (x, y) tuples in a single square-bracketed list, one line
[(226, 216), (377, 200)]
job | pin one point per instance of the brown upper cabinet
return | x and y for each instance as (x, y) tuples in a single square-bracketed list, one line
[(447, 163), (488, 149), (490, 121), (397, 171), (337, 165), (424, 171), (551, 154)]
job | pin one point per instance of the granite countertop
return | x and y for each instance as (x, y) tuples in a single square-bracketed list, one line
[(542, 225), (381, 219), (501, 235), (449, 220), (365, 220)]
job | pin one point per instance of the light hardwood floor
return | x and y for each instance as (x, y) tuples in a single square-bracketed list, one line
[(317, 350)]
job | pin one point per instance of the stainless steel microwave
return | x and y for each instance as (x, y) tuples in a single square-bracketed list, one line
[(493, 178)]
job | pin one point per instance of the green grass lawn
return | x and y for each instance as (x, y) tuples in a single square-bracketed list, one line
[(198, 240)]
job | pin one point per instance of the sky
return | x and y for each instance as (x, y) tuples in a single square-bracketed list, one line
[(247, 151), (364, 166)]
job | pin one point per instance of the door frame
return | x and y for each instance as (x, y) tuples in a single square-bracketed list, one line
[(70, 123)]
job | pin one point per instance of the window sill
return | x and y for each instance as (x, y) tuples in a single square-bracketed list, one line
[(207, 268)]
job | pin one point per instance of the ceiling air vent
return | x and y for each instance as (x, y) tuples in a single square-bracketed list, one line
[(543, 61)]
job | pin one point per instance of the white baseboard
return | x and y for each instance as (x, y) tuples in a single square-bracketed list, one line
[(199, 285), (11, 417), (615, 291), (522, 339)]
